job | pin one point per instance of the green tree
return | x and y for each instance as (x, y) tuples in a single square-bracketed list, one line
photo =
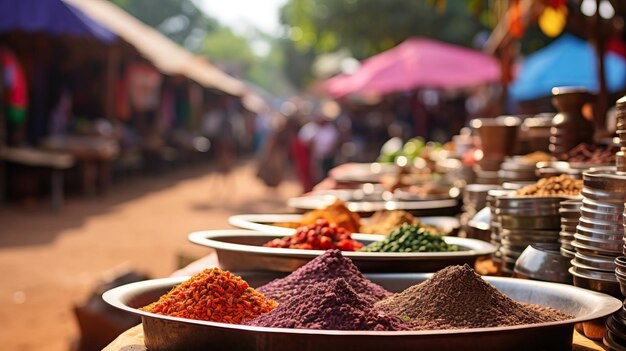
[(180, 20), (367, 27)]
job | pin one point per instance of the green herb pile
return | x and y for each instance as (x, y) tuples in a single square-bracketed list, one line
[(410, 238)]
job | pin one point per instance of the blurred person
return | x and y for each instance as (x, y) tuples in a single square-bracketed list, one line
[(322, 138), (14, 97), (273, 153), (300, 153)]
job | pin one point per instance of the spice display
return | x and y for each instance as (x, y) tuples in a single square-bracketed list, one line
[(559, 185), (535, 157), (590, 153), (320, 235), (330, 305), (336, 213), (213, 295), (383, 222), (457, 297), (329, 266), (410, 238)]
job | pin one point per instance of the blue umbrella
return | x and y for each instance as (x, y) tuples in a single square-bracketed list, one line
[(50, 16), (567, 61)]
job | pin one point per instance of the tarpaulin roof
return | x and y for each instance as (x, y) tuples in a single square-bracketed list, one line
[(567, 61), (50, 16), (167, 56), (418, 63)]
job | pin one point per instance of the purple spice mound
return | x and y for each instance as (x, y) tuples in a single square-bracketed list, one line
[(330, 305), (329, 266)]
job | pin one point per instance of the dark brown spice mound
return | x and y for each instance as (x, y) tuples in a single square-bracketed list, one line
[(329, 266), (330, 305), (456, 297)]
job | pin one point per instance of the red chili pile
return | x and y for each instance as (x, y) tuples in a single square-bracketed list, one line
[(320, 235), (213, 295)]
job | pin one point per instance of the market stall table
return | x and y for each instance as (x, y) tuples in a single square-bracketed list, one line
[(94, 152), (133, 339)]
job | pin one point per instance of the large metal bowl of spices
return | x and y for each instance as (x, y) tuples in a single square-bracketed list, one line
[(173, 333), (242, 250)]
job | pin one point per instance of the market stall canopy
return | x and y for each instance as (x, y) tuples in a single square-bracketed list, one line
[(50, 16), (418, 63), (167, 56), (567, 61)]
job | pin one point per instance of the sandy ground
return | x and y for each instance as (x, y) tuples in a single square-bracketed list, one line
[(49, 262)]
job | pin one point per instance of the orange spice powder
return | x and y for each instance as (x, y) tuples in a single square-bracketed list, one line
[(213, 295)]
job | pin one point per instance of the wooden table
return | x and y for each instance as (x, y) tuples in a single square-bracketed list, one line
[(94, 152), (133, 340)]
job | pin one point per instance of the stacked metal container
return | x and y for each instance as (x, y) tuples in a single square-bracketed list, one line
[(599, 234), (620, 157), (474, 200), (524, 221), (492, 196), (515, 170), (570, 214)]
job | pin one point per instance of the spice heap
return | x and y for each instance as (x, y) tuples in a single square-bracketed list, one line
[(559, 185), (329, 266), (410, 238), (457, 297), (590, 153), (383, 222), (213, 295), (337, 213), (330, 305), (320, 235)]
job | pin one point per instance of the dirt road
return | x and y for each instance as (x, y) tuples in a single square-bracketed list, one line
[(49, 262)]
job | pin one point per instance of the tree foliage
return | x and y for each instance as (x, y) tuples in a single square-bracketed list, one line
[(180, 20), (367, 27)]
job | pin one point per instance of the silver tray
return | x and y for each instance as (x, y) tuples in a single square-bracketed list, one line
[(362, 172), (241, 250), (263, 222), (174, 334), (317, 202)]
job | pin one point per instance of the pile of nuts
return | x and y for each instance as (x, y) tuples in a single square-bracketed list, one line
[(559, 185)]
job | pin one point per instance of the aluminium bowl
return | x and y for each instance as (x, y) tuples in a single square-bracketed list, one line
[(179, 334), (241, 250)]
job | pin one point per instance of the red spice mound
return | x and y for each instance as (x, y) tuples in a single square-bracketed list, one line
[(329, 266), (330, 305), (457, 297), (320, 235), (213, 295)]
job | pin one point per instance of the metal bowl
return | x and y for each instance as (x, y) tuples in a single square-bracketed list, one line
[(603, 216), (604, 282), (241, 250), (596, 234), (605, 207), (590, 250), (567, 252), (600, 225), (620, 264), (525, 222), (173, 334), (606, 179), (597, 262), (543, 262), (606, 245), (421, 208), (603, 196), (265, 222)]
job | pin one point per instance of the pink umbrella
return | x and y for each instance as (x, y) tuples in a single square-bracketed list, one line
[(417, 63)]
